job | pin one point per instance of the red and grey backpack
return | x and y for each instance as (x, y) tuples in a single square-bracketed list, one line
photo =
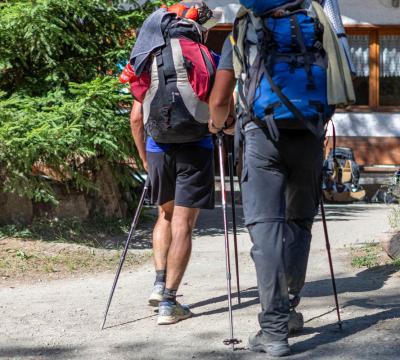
[(175, 86)]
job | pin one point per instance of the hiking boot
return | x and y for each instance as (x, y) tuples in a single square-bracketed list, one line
[(157, 294), (296, 322), (262, 343), (170, 313)]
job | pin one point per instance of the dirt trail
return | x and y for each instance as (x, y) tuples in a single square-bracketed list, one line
[(61, 319)]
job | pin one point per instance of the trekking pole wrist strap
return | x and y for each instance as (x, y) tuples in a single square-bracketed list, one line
[(218, 128), (230, 121)]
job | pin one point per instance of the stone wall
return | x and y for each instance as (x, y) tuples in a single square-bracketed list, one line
[(107, 200)]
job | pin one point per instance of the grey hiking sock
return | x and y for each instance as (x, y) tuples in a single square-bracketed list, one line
[(161, 275), (170, 295), (294, 301)]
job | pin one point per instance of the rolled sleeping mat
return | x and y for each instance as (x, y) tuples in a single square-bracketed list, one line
[(332, 10)]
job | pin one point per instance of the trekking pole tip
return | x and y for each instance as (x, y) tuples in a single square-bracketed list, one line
[(232, 342)]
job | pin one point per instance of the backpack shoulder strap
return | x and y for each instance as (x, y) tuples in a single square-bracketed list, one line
[(318, 128), (238, 39)]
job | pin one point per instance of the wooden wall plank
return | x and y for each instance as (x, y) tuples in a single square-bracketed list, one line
[(371, 150)]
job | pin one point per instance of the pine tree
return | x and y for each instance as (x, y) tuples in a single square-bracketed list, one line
[(60, 101)]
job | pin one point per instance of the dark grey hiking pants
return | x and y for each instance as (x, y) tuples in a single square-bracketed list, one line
[(281, 188)]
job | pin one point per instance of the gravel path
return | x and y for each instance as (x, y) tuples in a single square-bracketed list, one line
[(61, 319)]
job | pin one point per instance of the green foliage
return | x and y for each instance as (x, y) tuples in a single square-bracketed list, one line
[(14, 231), (396, 263), (47, 43), (67, 132), (369, 257), (394, 217), (21, 254), (60, 104), (94, 232)]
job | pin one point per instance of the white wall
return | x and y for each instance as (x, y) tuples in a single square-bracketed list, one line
[(364, 125), (228, 8), (353, 11), (369, 12)]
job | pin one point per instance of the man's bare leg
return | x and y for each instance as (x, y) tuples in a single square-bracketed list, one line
[(161, 242), (162, 235), (183, 222)]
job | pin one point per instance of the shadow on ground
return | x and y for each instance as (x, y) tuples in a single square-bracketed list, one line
[(39, 352), (321, 342), (210, 223), (345, 212), (367, 280), (371, 279)]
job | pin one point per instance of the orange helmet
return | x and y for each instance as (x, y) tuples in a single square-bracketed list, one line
[(184, 12)]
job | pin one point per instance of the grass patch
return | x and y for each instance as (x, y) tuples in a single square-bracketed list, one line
[(24, 259), (367, 256), (55, 248), (91, 233), (396, 263), (394, 217)]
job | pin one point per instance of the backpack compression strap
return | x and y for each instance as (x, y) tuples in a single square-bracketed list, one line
[(262, 47), (251, 83), (317, 129), (297, 36)]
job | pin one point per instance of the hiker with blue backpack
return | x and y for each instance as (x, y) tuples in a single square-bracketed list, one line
[(292, 71)]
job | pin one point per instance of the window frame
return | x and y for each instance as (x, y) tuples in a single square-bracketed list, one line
[(374, 32)]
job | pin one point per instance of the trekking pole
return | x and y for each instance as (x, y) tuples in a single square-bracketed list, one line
[(328, 250), (231, 341), (128, 240), (233, 205)]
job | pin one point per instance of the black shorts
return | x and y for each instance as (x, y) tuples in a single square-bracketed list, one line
[(185, 174)]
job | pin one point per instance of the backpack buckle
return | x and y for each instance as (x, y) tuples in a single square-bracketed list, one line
[(293, 63), (165, 115), (311, 86), (318, 45), (270, 109)]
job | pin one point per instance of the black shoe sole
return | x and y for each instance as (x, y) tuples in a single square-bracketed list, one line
[(278, 351)]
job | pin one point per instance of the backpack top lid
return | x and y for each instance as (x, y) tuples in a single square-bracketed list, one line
[(262, 7), (197, 11)]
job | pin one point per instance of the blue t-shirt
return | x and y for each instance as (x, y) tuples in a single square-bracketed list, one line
[(152, 146)]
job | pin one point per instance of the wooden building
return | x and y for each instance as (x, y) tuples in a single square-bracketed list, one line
[(372, 126)]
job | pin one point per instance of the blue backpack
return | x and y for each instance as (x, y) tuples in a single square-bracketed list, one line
[(260, 8), (284, 66)]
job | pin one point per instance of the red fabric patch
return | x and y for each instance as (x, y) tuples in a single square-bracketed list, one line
[(127, 74), (198, 74), (140, 85)]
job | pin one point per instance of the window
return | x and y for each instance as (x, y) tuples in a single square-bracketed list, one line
[(359, 48), (217, 36), (376, 55), (389, 64)]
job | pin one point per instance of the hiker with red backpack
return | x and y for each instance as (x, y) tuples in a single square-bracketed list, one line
[(171, 73), (291, 71)]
